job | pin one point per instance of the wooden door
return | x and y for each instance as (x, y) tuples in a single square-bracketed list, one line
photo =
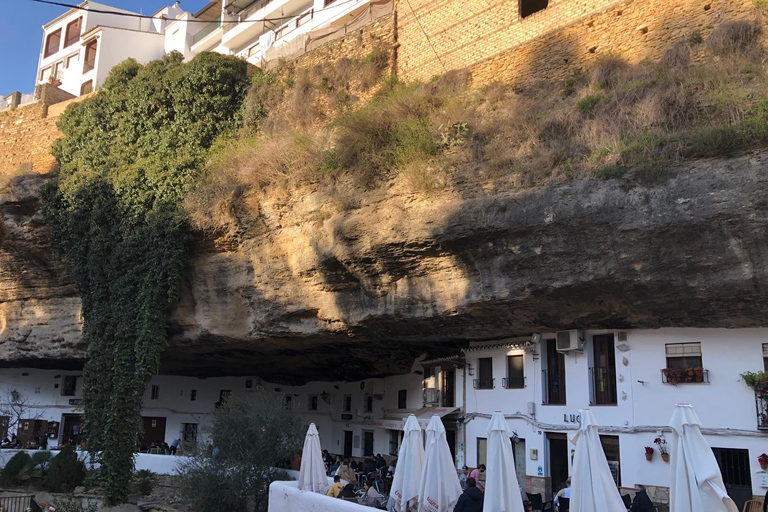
[(154, 431), (555, 374), (604, 369), (347, 444), (448, 391)]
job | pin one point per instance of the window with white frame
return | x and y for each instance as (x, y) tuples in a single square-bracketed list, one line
[(682, 356)]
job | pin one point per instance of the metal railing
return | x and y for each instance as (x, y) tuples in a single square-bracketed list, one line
[(208, 29), (301, 19), (19, 504), (484, 383), (602, 385), (552, 391), (431, 396), (508, 383), (686, 376)]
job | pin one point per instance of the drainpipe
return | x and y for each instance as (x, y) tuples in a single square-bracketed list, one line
[(464, 424)]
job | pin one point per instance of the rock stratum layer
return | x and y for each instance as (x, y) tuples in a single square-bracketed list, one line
[(310, 292)]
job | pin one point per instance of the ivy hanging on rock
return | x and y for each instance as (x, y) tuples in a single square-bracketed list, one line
[(128, 156)]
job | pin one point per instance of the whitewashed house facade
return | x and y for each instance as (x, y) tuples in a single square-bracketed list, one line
[(618, 374)]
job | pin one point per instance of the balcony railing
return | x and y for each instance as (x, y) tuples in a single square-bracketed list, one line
[(686, 376), (602, 389), (761, 405), (432, 396), (552, 389), (208, 29), (483, 383), (508, 383), (302, 19)]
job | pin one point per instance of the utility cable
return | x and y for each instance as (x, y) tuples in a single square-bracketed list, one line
[(145, 16), (425, 35)]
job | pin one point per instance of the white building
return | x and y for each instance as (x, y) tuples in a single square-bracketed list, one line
[(81, 46), (618, 374)]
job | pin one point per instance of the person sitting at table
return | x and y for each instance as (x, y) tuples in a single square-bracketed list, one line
[(369, 466), (380, 462), (336, 487), (353, 464), (372, 497), (335, 466), (346, 473), (348, 492)]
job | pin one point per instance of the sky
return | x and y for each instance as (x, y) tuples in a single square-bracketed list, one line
[(21, 34)]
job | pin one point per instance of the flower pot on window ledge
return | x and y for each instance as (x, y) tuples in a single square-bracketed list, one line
[(764, 465), (649, 456), (665, 457)]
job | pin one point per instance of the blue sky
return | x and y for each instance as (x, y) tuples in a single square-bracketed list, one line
[(21, 34)]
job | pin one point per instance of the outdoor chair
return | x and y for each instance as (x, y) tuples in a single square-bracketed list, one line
[(627, 500), (563, 504), (753, 506), (537, 503)]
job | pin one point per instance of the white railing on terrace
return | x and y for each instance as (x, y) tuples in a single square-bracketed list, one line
[(208, 29)]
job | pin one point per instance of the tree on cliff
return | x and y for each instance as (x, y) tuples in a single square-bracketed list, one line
[(127, 158)]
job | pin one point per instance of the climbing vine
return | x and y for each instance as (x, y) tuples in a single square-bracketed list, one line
[(128, 156)]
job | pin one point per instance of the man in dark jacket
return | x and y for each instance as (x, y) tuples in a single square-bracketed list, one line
[(642, 502), (471, 500)]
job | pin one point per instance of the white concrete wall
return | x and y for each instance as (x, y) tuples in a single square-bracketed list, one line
[(160, 464), (286, 497), (117, 45)]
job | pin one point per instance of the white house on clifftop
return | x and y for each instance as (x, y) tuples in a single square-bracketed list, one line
[(81, 46)]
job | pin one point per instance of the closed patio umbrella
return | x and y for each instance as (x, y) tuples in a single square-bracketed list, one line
[(403, 495), (440, 487), (312, 473), (592, 485), (502, 492), (697, 484)]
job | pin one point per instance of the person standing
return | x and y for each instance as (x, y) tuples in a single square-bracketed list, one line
[(641, 503), (475, 474), (463, 477), (471, 500)]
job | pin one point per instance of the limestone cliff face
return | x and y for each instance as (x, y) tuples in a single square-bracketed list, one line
[(313, 292)]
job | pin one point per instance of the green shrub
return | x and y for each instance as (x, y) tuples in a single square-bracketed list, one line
[(145, 479), (40, 461), (588, 103), (65, 471), (17, 469), (70, 504)]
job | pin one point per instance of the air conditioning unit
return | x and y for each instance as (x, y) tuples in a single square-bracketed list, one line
[(570, 341), (431, 396)]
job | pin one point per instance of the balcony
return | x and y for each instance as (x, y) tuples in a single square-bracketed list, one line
[(602, 389), (508, 383), (431, 396), (484, 383), (552, 388), (206, 31), (761, 406), (684, 376)]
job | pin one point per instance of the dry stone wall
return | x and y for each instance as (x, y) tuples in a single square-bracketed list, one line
[(496, 44)]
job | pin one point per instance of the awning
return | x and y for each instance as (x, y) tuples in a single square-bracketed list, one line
[(396, 420)]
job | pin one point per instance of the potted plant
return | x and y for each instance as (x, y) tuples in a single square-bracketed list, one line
[(756, 380), (699, 371), (648, 453), (661, 442), (763, 460)]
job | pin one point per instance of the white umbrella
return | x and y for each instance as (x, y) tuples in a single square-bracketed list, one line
[(410, 460), (502, 493), (592, 485), (440, 489), (312, 475), (697, 484)]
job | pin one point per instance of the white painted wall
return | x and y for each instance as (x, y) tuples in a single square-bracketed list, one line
[(286, 497), (116, 45)]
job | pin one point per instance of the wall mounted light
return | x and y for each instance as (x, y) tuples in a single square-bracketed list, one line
[(536, 338), (623, 347)]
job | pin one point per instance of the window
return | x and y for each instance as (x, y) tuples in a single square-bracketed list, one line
[(71, 60), (765, 356), (368, 403), (90, 56), (312, 403), (482, 452), (448, 388), (69, 385), (484, 373), (57, 70), (515, 372), (45, 74), (193, 395), (682, 356), (155, 393), (86, 88), (52, 43), (603, 371), (189, 432), (73, 33), (287, 402), (528, 7), (402, 399), (394, 441), (347, 403), (554, 375)]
